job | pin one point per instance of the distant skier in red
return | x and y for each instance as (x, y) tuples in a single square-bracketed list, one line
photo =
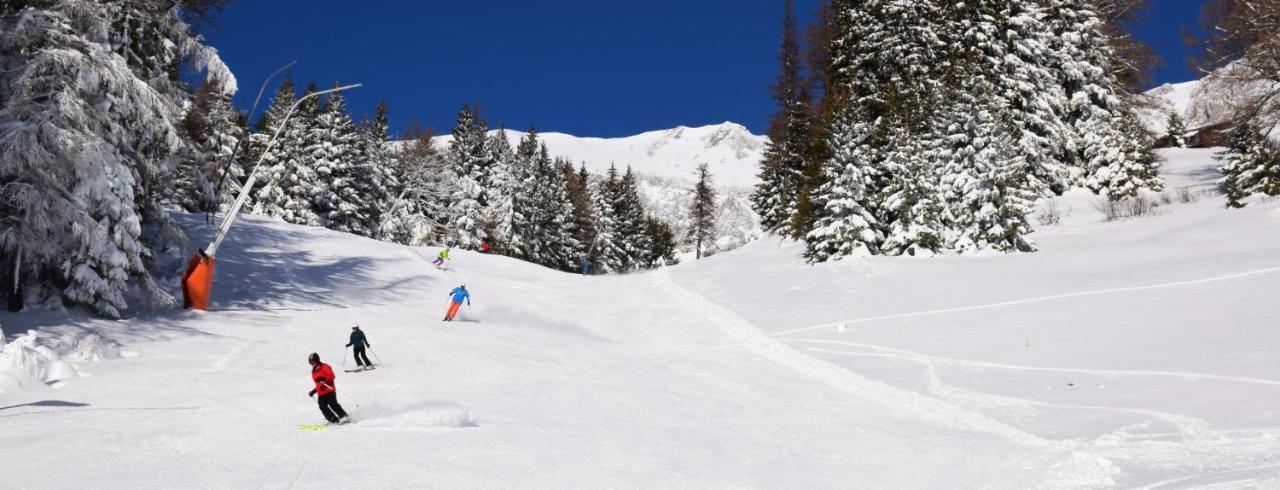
[(322, 375), (457, 296)]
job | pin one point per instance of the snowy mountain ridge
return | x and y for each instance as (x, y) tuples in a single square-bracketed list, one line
[(730, 149), (665, 161)]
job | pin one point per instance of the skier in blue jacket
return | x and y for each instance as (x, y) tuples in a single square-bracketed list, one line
[(457, 296)]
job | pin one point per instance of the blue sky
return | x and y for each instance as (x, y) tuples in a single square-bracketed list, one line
[(586, 67)]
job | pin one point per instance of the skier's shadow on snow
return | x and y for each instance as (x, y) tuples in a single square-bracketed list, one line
[(47, 403)]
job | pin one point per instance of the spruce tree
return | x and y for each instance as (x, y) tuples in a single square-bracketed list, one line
[(776, 197), (469, 163), (606, 250), (207, 177), (662, 244), (90, 140), (289, 183), (1176, 134), (577, 184), (375, 181), (1082, 62), (503, 187), (333, 154), (849, 222), (702, 211), (1137, 167), (628, 214), (523, 205), (1252, 165), (414, 213)]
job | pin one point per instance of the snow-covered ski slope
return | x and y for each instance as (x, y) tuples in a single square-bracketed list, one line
[(1140, 353)]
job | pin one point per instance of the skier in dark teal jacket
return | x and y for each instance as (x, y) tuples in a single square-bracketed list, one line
[(358, 343)]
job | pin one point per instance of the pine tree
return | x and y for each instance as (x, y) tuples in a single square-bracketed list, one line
[(1252, 165), (289, 183), (662, 244), (88, 149), (550, 238), (1136, 168), (913, 200), (502, 190), (628, 215), (577, 184), (375, 182), (1177, 132), (207, 176), (606, 250), (703, 212), (984, 178), (414, 213), (333, 155), (523, 205), (1082, 62), (776, 197), (469, 163), (849, 223)]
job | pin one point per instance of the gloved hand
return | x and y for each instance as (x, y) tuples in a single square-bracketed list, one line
[(312, 393), (348, 345)]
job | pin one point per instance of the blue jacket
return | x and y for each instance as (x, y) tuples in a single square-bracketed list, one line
[(460, 295), (358, 340)]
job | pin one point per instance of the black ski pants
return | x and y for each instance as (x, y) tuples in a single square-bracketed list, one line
[(359, 354), (330, 408)]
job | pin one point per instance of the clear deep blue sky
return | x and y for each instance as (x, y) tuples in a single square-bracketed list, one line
[(586, 67)]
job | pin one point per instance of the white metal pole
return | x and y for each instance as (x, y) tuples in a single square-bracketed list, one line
[(212, 249)]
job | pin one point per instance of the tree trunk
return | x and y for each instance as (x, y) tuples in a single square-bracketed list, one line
[(12, 286)]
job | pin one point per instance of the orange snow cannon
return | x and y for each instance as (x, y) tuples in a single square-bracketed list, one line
[(197, 282)]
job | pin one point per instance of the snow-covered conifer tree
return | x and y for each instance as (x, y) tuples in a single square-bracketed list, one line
[(1176, 134), (775, 197), (88, 147), (468, 161), (606, 250), (849, 223), (1252, 165), (502, 189), (335, 155), (290, 184), (702, 210)]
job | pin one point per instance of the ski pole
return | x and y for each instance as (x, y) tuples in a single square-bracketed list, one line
[(344, 358), (375, 355)]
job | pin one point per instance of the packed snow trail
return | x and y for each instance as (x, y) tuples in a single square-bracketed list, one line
[(568, 381)]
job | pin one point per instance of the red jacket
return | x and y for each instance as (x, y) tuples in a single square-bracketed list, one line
[(322, 374)]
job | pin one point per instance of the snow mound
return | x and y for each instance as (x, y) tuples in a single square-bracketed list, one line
[(422, 415), (39, 359)]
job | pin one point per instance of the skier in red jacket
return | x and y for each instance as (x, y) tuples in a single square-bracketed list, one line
[(322, 374)]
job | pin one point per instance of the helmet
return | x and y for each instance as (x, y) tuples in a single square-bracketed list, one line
[(313, 358)]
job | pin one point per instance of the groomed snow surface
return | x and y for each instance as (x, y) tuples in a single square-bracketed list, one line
[(1137, 353)]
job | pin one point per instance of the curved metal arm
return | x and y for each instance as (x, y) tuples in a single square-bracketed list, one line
[(212, 249)]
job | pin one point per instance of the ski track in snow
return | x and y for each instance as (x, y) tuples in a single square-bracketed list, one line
[(1187, 426), (927, 408), (904, 354), (1029, 301)]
